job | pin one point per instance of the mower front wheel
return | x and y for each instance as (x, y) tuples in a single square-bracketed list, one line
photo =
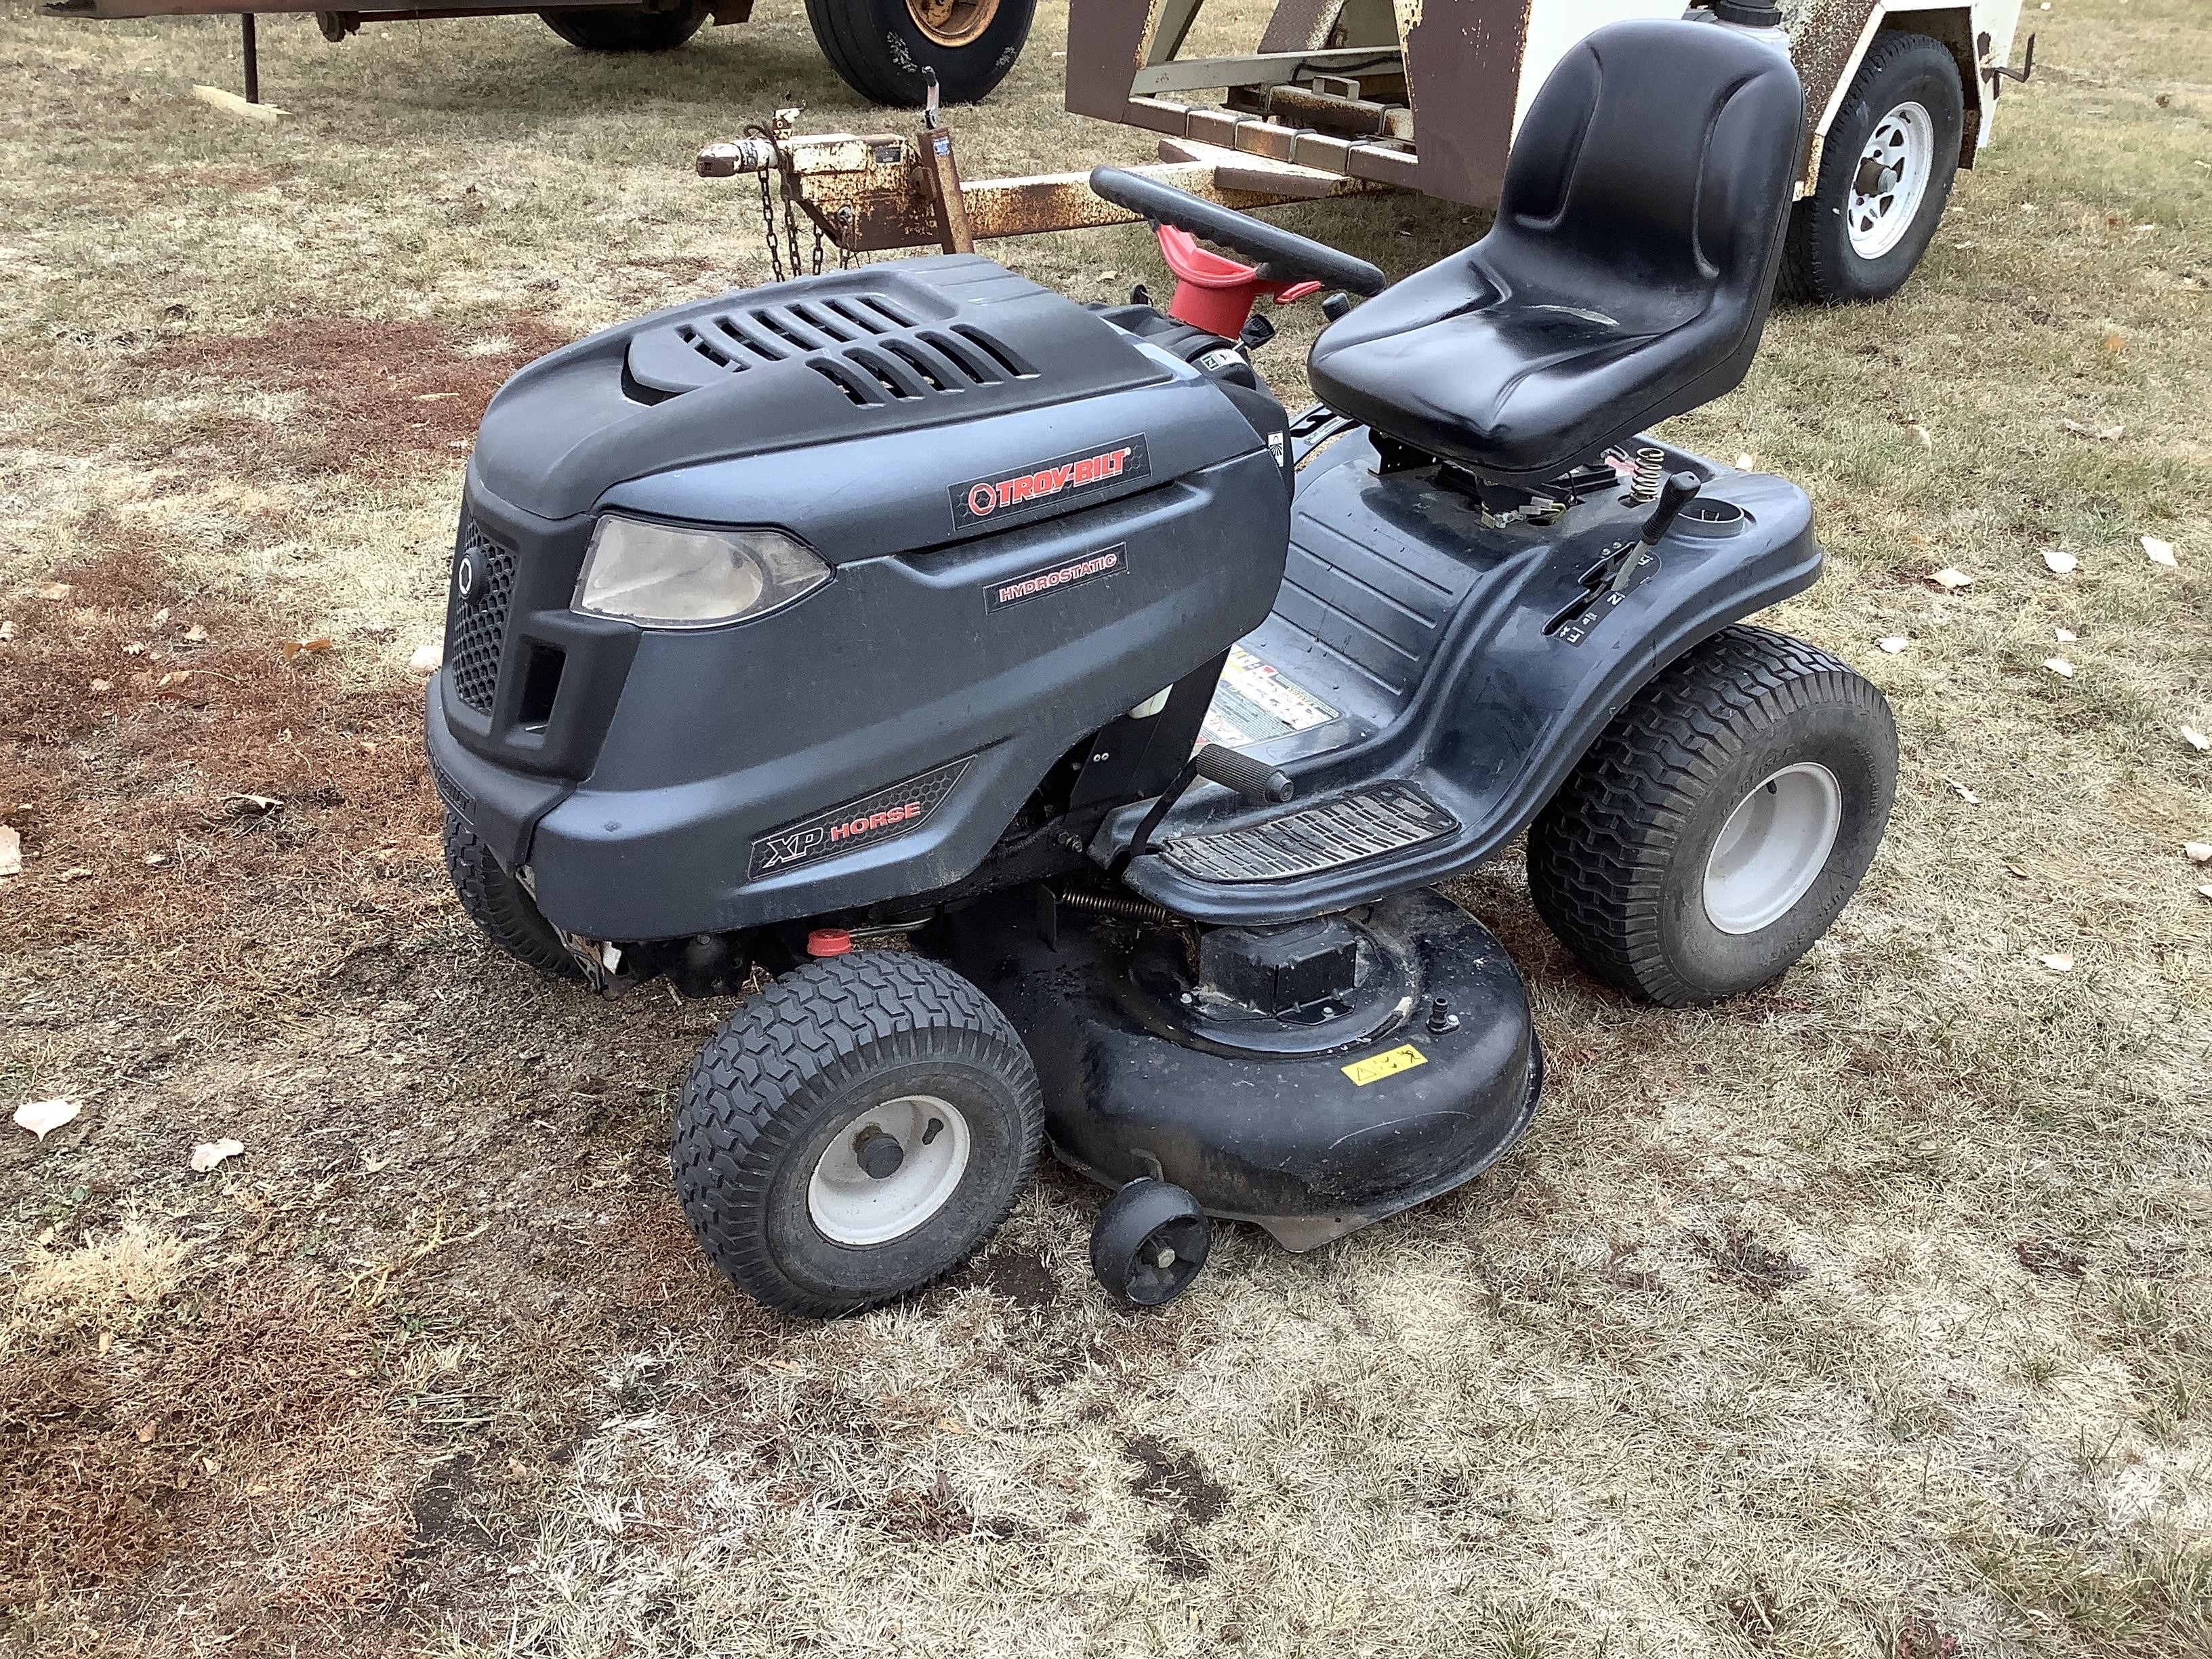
[(500, 907), (855, 1131), (1721, 823)]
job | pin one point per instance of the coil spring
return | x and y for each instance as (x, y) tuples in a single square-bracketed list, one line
[(1651, 469), (1114, 904)]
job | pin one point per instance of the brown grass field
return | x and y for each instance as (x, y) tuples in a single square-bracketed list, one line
[(1871, 1315)]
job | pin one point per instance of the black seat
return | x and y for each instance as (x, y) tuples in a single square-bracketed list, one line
[(1626, 276)]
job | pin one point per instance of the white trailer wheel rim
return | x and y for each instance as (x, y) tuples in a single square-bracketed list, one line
[(1773, 847), (849, 1206), (1892, 180)]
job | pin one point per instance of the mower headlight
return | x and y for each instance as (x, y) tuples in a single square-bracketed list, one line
[(664, 576)]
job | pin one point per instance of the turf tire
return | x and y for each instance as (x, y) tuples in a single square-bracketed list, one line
[(496, 903), (785, 1074), (879, 50), (1819, 264), (625, 29), (1617, 859)]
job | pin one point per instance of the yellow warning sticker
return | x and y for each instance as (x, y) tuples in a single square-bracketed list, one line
[(1389, 1063)]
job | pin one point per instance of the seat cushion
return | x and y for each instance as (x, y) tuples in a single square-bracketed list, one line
[(1626, 276), (1514, 383)]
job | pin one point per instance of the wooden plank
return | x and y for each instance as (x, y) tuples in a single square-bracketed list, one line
[(1261, 69)]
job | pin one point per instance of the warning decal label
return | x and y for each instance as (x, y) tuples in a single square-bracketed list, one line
[(1255, 701)]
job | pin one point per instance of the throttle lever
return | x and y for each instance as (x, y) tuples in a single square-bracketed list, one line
[(1677, 493)]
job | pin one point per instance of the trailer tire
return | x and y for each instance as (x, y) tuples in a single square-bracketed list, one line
[(1721, 823), (880, 47), (496, 903), (1906, 109), (625, 29)]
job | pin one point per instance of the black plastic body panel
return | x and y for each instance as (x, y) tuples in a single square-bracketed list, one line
[(1426, 631), (1290, 1141)]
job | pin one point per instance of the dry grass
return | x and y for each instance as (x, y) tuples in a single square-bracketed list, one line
[(1865, 1316)]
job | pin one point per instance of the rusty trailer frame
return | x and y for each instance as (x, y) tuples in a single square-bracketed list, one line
[(1332, 103)]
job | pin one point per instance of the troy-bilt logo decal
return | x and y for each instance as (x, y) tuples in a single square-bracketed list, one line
[(871, 818), (1031, 490), (1091, 567)]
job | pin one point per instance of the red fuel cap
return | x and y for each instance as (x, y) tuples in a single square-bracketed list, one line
[(829, 942)]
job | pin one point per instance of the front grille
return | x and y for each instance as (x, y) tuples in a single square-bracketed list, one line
[(475, 626)]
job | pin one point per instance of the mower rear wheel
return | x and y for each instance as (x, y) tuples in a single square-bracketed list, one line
[(498, 904), (856, 1130), (1721, 823), (625, 29), (1149, 1242)]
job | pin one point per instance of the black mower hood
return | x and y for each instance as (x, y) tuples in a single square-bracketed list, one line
[(802, 365)]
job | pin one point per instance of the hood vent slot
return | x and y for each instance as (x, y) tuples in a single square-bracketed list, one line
[(878, 353)]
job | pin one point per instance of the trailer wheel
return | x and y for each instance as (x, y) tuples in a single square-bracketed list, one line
[(1721, 823), (880, 47), (625, 29), (1886, 172), (498, 905), (856, 1130)]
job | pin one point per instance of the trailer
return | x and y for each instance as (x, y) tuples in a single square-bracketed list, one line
[(879, 48), (1344, 97)]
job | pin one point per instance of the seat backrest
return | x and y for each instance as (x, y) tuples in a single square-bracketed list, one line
[(1663, 151)]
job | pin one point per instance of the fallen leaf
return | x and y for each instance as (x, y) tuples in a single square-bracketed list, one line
[(136, 648), (1920, 435), (209, 1153), (2102, 433), (2198, 852), (2057, 964), (160, 615), (103, 686), (2015, 870), (2059, 666), (56, 591), (2195, 739), (254, 805), (106, 1341), (75, 872), (1965, 793), (2158, 552), (789, 1367), (196, 633), (43, 1117), (2061, 563), (7, 630), (2064, 635), (2115, 344), (1892, 643), (292, 648), (11, 850), (1744, 463), (427, 660), (1950, 578)]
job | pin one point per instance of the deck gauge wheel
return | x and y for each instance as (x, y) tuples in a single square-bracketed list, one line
[(1149, 1242)]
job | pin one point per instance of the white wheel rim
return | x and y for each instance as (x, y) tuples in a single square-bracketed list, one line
[(849, 1206), (1772, 848), (1891, 180)]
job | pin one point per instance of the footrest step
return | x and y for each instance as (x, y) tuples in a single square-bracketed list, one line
[(1342, 829)]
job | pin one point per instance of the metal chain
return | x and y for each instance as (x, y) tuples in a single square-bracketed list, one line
[(789, 239), (768, 209)]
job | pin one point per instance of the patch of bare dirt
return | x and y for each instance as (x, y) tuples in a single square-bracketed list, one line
[(203, 805), (375, 393)]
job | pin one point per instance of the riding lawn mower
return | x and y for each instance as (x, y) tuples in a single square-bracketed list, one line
[(1072, 739)]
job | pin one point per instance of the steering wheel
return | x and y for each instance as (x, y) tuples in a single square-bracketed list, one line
[(1283, 254)]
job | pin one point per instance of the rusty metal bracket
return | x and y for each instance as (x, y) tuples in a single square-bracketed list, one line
[(873, 192)]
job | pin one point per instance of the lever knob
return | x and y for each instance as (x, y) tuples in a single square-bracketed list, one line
[(1336, 307), (1248, 778), (1674, 495)]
